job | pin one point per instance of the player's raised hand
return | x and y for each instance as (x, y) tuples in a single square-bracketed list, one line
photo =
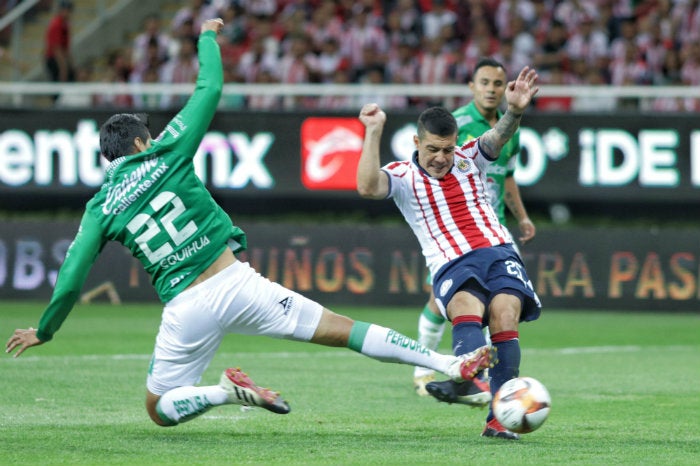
[(371, 115), (213, 25), (22, 339), (520, 92)]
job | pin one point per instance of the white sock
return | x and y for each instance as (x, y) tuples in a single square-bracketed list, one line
[(388, 345), (429, 335), (184, 403)]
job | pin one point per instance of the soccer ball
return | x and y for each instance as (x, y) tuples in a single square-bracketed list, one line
[(522, 405)]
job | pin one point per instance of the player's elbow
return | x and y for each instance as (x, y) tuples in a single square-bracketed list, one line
[(368, 191)]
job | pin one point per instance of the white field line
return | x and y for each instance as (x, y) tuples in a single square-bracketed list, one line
[(343, 354)]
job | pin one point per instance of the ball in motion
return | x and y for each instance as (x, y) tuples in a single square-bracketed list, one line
[(522, 405)]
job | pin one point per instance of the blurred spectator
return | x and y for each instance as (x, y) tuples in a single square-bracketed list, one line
[(58, 59), (512, 60), (627, 35), (588, 42), (670, 73), (436, 66), (268, 31), (257, 59), (197, 11), (402, 66), (543, 19), (437, 17), (293, 26), (631, 69), (150, 45), (266, 100), (524, 44), (324, 25), (185, 33), (117, 72), (509, 9), (152, 59), (481, 43), (181, 69), (361, 33), (395, 34), (651, 43), (552, 53), (574, 12), (687, 15), (297, 66), (259, 7), (373, 7), (235, 24), (330, 60), (409, 17), (690, 72)]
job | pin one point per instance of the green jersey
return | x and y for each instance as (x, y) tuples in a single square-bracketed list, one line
[(154, 204), (472, 124)]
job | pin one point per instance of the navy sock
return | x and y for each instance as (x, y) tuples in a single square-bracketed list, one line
[(467, 334), (508, 352)]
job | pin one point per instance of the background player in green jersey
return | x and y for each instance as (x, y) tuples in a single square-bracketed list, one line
[(153, 203), (488, 86)]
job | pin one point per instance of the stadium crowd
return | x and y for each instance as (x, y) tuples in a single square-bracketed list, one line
[(569, 42)]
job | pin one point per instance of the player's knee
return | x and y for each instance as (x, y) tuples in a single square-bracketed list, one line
[(504, 314)]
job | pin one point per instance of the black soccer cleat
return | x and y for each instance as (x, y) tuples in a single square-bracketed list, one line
[(475, 393)]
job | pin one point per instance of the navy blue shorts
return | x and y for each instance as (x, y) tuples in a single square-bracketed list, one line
[(486, 272)]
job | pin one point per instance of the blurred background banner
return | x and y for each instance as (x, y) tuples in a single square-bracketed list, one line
[(356, 264), (52, 156)]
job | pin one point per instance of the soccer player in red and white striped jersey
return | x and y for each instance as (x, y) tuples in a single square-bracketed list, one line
[(478, 277)]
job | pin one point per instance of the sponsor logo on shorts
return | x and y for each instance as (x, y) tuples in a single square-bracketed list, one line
[(287, 304), (445, 287)]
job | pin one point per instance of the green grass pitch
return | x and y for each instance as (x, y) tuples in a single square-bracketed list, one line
[(625, 390)]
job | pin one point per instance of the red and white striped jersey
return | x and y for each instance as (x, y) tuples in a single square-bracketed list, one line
[(449, 216)]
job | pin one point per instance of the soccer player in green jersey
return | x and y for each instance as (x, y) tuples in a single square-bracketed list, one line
[(488, 85), (153, 203)]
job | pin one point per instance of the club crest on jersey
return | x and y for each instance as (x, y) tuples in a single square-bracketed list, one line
[(463, 165)]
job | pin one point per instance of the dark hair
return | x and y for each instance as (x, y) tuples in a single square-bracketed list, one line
[(487, 61), (118, 133), (438, 121)]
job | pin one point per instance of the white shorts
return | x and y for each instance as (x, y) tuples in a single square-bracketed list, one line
[(236, 300)]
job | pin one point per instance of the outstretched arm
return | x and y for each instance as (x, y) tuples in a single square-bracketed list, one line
[(372, 182), (71, 276), (519, 93), (188, 127)]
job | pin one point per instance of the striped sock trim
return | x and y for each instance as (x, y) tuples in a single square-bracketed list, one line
[(357, 335), (466, 319), (507, 335), (428, 314)]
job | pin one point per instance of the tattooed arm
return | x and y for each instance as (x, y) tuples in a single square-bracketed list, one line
[(519, 93)]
